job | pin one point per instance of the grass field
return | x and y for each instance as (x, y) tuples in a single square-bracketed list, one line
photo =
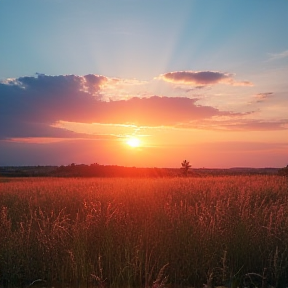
[(144, 232)]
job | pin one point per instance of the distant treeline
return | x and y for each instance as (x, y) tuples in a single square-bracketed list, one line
[(97, 170)]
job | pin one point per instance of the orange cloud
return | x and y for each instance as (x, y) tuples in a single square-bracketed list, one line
[(236, 124)]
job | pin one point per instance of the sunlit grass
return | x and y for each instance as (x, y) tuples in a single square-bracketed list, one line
[(121, 232)]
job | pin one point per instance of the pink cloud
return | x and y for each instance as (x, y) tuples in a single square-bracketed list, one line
[(202, 78), (261, 97)]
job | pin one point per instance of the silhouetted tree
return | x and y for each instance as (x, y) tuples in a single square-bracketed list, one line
[(283, 171), (185, 167)]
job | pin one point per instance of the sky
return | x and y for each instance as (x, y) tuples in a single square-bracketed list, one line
[(200, 80)]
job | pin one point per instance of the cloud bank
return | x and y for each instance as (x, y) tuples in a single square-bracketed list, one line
[(32, 106)]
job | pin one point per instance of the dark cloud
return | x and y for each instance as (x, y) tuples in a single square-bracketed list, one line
[(202, 78), (48, 98), (30, 105)]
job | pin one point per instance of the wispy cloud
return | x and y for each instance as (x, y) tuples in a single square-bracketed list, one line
[(261, 97), (196, 78), (237, 124), (278, 56)]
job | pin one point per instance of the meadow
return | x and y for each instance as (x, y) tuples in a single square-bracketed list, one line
[(153, 232)]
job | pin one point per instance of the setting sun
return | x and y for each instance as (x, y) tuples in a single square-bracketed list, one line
[(200, 98), (133, 142)]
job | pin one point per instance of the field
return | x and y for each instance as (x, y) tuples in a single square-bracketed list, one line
[(161, 232)]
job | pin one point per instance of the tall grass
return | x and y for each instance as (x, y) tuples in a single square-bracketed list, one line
[(122, 232)]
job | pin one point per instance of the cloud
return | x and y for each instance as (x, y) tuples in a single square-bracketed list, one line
[(46, 99), (237, 124), (196, 78), (32, 107), (278, 56), (260, 125), (154, 111), (261, 97)]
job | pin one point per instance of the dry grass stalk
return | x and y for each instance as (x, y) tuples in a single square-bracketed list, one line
[(53, 229), (161, 279)]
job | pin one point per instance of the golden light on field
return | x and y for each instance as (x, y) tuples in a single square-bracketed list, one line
[(133, 142)]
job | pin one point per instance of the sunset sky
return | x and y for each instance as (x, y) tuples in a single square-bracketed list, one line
[(201, 80)]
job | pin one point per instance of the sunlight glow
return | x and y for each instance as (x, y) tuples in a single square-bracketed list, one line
[(133, 142)]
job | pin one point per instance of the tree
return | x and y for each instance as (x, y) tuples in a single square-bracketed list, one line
[(185, 167), (283, 171)]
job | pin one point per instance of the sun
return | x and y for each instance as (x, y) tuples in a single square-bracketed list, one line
[(133, 142)]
